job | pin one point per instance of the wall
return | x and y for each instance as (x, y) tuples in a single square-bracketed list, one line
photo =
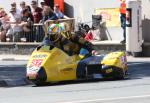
[(83, 12), (146, 20)]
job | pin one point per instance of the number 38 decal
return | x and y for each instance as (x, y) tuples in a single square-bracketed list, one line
[(36, 62)]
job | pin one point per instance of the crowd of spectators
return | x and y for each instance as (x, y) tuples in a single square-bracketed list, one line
[(17, 25)]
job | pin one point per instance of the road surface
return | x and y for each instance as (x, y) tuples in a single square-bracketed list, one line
[(136, 89)]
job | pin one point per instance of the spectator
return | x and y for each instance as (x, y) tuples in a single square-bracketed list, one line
[(58, 13), (27, 25), (16, 30), (26, 14), (4, 25), (22, 5), (43, 4), (13, 5), (123, 18), (27, 20), (29, 8), (0, 12), (36, 12), (48, 14)]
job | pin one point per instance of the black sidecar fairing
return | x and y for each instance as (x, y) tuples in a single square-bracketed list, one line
[(89, 66)]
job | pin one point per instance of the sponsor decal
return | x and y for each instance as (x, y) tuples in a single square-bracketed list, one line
[(39, 56), (66, 70)]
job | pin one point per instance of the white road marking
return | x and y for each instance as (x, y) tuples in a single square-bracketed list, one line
[(108, 99), (135, 63)]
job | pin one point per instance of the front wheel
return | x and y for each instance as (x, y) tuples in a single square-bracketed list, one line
[(113, 72), (39, 83), (119, 74)]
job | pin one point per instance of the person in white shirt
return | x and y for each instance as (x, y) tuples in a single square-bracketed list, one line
[(4, 25), (14, 5), (22, 6), (15, 21)]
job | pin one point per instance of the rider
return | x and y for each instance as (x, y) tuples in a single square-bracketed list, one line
[(71, 43)]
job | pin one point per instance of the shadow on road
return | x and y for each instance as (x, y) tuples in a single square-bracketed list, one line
[(139, 69), (12, 72)]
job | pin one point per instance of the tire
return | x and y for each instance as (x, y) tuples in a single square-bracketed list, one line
[(120, 74), (117, 73)]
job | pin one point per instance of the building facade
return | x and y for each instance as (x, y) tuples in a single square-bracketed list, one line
[(82, 10)]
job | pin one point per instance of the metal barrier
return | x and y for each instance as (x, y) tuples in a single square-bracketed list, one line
[(35, 34)]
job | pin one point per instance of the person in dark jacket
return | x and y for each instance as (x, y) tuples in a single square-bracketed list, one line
[(48, 14), (27, 24), (36, 11), (69, 42)]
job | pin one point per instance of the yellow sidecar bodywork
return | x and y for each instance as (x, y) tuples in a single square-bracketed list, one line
[(48, 64)]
